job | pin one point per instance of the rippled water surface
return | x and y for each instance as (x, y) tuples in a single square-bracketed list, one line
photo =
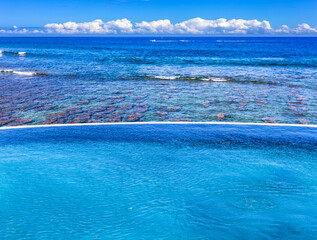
[(78, 80), (158, 182)]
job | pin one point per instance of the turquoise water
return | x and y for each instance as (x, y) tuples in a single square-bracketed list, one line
[(158, 182), (113, 79)]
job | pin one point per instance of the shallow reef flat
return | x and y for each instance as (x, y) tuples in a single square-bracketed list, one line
[(39, 101)]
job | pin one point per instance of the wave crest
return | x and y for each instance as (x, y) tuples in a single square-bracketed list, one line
[(22, 73), (192, 78)]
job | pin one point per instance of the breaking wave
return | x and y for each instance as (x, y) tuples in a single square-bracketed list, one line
[(192, 78), (20, 53), (22, 73)]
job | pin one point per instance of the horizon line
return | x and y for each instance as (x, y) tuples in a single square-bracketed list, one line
[(152, 36)]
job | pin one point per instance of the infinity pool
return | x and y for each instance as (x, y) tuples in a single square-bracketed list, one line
[(158, 181)]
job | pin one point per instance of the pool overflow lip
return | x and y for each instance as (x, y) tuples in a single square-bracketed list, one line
[(161, 123)]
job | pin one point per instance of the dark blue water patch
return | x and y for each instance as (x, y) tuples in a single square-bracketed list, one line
[(200, 134), (290, 48)]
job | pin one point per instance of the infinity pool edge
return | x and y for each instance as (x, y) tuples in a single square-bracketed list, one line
[(161, 123)]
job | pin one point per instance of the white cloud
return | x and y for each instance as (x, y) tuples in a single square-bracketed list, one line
[(195, 26), (97, 26), (222, 26), (305, 28), (155, 27), (15, 30)]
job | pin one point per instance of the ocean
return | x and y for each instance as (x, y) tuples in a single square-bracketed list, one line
[(112, 79)]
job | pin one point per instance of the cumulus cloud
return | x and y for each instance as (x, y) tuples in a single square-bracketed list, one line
[(15, 30), (155, 27), (305, 28), (222, 26), (97, 26), (195, 26)]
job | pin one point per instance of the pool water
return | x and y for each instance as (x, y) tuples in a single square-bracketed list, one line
[(147, 181)]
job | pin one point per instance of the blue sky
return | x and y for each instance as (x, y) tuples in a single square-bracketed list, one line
[(36, 13), (184, 16)]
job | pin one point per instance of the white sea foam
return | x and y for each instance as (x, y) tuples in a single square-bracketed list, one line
[(219, 79), (166, 77), (214, 79), (21, 53), (24, 73), (197, 78), (163, 41), (231, 41), (9, 71), (167, 41)]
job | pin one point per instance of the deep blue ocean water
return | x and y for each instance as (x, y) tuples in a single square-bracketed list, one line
[(158, 79), (158, 182)]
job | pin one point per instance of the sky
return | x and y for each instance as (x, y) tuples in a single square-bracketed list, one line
[(27, 14)]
